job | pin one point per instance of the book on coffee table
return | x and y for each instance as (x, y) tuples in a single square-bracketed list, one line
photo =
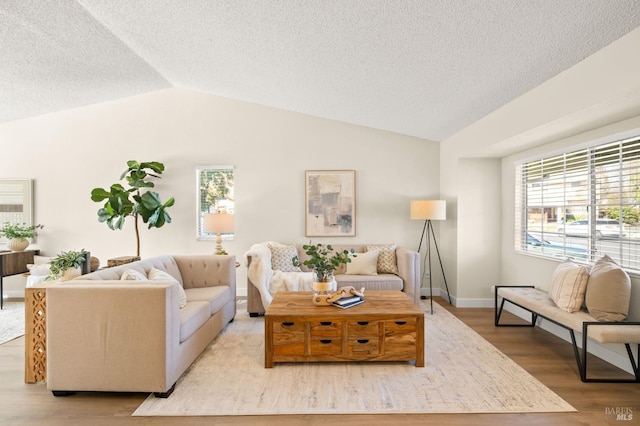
[(347, 302)]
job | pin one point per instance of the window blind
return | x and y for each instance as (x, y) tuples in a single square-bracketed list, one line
[(581, 204)]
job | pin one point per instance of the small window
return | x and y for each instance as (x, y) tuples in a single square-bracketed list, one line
[(215, 193)]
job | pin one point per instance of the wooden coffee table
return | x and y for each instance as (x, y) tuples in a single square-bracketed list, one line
[(386, 327)]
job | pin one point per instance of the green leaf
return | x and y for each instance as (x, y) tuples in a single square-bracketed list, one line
[(99, 194)]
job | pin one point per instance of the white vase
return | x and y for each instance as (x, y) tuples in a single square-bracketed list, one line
[(17, 244), (70, 274)]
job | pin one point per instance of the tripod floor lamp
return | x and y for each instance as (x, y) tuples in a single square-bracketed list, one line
[(429, 210)]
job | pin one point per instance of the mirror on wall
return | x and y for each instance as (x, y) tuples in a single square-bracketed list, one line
[(16, 202)]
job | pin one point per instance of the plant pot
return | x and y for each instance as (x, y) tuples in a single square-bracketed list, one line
[(17, 244), (70, 274)]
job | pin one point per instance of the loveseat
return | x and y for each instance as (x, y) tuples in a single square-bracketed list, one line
[(269, 268), (137, 327)]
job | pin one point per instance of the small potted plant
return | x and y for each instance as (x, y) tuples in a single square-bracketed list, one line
[(66, 265), (18, 235), (323, 261)]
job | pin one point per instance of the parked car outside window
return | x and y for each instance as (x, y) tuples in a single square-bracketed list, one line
[(605, 228), (558, 250)]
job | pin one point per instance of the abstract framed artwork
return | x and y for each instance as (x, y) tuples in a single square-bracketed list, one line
[(330, 198)]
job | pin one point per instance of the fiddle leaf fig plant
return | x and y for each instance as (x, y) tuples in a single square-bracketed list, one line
[(136, 200)]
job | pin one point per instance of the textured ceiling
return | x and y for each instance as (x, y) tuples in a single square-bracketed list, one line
[(426, 68)]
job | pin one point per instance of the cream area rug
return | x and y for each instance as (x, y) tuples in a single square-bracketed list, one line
[(11, 320), (463, 373)]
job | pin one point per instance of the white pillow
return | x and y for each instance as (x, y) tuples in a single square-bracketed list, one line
[(132, 275), (364, 263), (159, 275), (43, 269)]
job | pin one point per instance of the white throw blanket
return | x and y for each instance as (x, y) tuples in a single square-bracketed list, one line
[(268, 281)]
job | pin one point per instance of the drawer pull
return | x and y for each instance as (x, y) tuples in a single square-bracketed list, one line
[(363, 340), (325, 322), (287, 324), (363, 322), (325, 341), (401, 322)]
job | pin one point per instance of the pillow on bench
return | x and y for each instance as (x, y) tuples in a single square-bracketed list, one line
[(568, 285), (608, 291)]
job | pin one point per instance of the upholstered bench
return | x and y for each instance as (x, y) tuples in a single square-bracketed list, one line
[(564, 307)]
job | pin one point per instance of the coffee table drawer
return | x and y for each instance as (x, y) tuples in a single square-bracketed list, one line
[(288, 338), (363, 329), (363, 346), (329, 329), (325, 346)]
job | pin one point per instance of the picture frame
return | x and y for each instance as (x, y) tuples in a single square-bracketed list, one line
[(330, 203)]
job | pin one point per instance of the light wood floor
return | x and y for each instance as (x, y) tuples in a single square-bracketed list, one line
[(547, 357)]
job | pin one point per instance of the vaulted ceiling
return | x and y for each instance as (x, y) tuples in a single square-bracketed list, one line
[(425, 68)]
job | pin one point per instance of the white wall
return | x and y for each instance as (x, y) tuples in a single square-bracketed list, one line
[(600, 91), (69, 153)]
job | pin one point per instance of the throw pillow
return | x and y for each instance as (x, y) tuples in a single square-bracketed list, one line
[(160, 275), (608, 291), (281, 258), (39, 270), (568, 285), (132, 275), (387, 263), (364, 263)]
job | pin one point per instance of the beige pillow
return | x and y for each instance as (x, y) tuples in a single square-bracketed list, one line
[(568, 285), (608, 291), (281, 258), (387, 263), (132, 275), (364, 263), (160, 275)]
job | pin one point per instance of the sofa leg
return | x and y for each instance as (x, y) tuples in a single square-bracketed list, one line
[(62, 393), (165, 394)]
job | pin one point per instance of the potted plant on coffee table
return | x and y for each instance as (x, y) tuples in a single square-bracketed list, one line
[(18, 235), (67, 264), (323, 261)]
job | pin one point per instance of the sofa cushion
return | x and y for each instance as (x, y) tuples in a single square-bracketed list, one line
[(281, 258), (371, 282), (363, 263), (156, 274), (568, 285), (608, 291), (133, 275), (387, 263), (192, 317), (216, 296)]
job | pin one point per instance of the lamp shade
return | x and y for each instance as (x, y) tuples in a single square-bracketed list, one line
[(429, 209), (218, 223)]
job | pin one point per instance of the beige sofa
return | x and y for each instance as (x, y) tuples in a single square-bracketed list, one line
[(407, 278), (105, 334)]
